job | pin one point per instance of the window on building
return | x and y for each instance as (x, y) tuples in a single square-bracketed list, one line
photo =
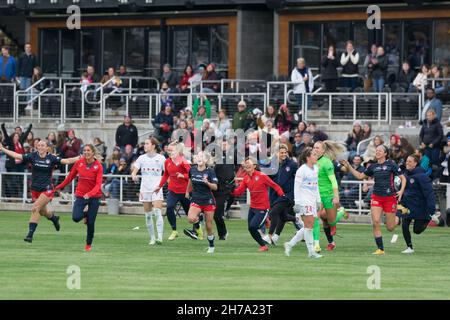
[(307, 44), (361, 40), (220, 46), (200, 45), (335, 33), (180, 47), (442, 42), (417, 41), (135, 50), (89, 43), (49, 51), (392, 43), (154, 53), (70, 55), (112, 48)]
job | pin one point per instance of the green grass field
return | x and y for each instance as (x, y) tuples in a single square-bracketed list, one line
[(123, 266)]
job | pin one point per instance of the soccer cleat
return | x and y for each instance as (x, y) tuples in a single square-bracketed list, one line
[(152, 242), (346, 214), (378, 252), (317, 248), (274, 239), (394, 238), (331, 246), (191, 234), (87, 248), (224, 237), (333, 230), (315, 256), (210, 250), (266, 238), (159, 242), (200, 233), (56, 223), (173, 235), (28, 239), (263, 248), (408, 250), (287, 249)]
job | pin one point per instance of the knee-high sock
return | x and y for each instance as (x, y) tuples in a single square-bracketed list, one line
[(149, 221), (298, 237), (316, 230), (309, 240), (159, 223), (339, 215), (406, 232)]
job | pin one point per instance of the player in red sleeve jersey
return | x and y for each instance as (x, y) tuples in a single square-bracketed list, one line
[(257, 183), (88, 192)]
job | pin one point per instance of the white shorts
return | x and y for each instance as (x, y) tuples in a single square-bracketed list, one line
[(150, 196), (308, 211)]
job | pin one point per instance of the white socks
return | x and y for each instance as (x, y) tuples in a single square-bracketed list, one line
[(298, 237), (159, 223), (150, 227), (309, 241)]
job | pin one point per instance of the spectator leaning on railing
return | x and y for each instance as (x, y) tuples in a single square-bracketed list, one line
[(8, 66)]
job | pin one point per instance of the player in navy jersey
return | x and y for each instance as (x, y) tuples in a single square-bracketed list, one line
[(203, 181), (384, 193), (42, 189)]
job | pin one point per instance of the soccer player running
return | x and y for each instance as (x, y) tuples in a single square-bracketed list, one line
[(257, 183), (307, 201), (176, 170), (88, 192), (151, 165), (326, 152), (282, 207), (42, 190), (418, 202), (384, 195), (203, 181)]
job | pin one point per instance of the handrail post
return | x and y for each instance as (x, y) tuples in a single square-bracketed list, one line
[(39, 109), (354, 107), (329, 110), (25, 186), (121, 190), (360, 196), (285, 93), (379, 109)]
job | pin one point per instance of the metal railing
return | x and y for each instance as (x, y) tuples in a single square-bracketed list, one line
[(347, 107)]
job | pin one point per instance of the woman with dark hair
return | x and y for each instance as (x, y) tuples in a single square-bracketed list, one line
[(330, 64), (418, 202), (211, 75), (420, 82), (354, 138), (88, 191), (384, 193), (379, 71), (185, 85), (405, 76), (284, 119), (151, 165)]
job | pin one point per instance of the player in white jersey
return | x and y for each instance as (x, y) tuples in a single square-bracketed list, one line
[(307, 201), (151, 165)]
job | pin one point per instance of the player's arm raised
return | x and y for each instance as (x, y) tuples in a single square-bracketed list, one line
[(12, 154), (70, 160), (358, 175)]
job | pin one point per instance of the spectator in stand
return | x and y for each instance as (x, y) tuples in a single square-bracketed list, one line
[(211, 75), (124, 77), (200, 116), (303, 76), (349, 62), (185, 85), (444, 176), (301, 128), (284, 119), (330, 64), (15, 143), (430, 137), (164, 124), (301, 141), (206, 105), (405, 76), (316, 134), (25, 65), (368, 67), (184, 135), (396, 152), (436, 74), (100, 146), (126, 133), (240, 117), (270, 133), (165, 91), (128, 154), (51, 139), (367, 130), (424, 160), (270, 114), (198, 76), (432, 103), (420, 82), (354, 138), (29, 139), (169, 76), (112, 187), (223, 124), (37, 75), (349, 191), (114, 84), (379, 71), (72, 146), (92, 77), (8, 66), (369, 154)]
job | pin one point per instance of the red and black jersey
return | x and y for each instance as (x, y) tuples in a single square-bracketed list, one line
[(171, 170), (41, 170), (89, 178), (258, 185)]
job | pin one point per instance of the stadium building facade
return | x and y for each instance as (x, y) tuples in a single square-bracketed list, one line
[(249, 39)]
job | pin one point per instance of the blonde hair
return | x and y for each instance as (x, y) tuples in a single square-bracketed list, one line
[(332, 148), (97, 154)]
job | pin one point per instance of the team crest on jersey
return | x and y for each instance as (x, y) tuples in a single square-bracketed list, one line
[(81, 164), (288, 169), (384, 168), (411, 180), (47, 161), (95, 167), (256, 178)]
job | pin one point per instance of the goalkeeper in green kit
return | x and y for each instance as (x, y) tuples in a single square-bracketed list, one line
[(326, 151)]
